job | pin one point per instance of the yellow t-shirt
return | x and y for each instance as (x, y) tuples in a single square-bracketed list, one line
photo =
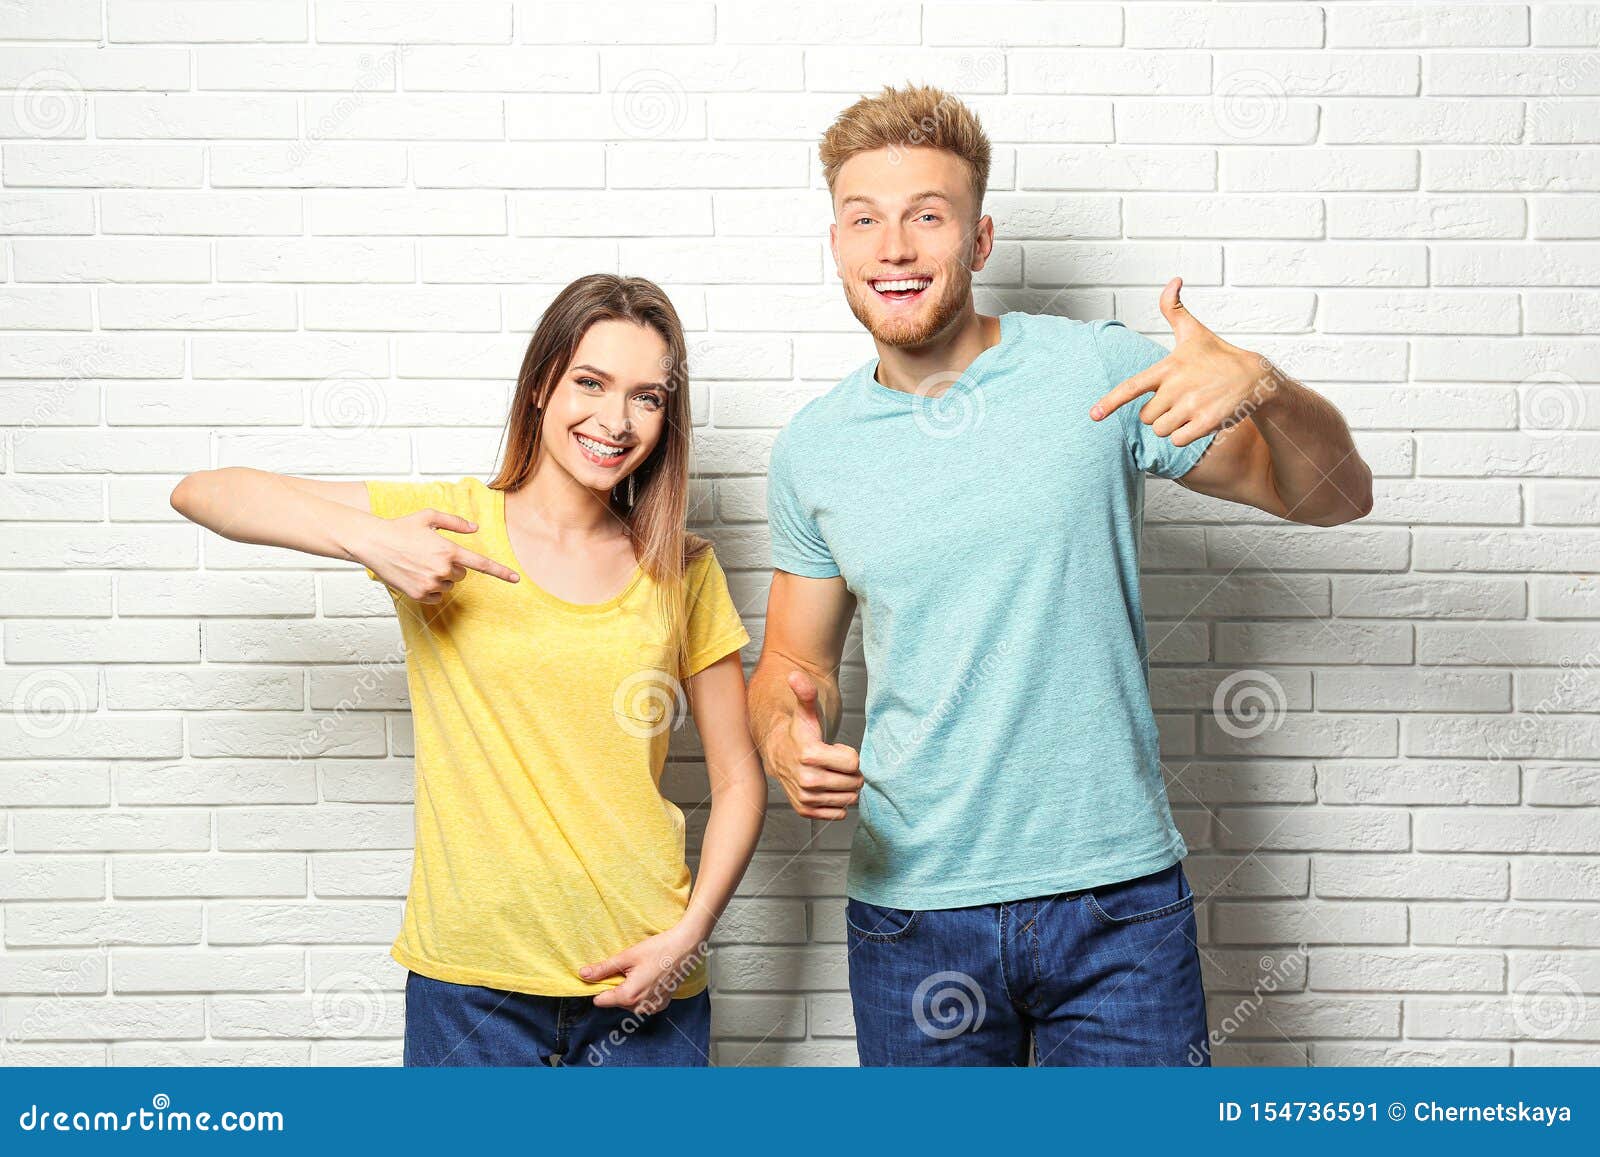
[(543, 842)]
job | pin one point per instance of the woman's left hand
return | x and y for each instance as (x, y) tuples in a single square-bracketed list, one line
[(651, 969)]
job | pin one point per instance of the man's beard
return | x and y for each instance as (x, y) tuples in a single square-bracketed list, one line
[(911, 331)]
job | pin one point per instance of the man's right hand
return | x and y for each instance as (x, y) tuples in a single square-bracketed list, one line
[(409, 556), (821, 779)]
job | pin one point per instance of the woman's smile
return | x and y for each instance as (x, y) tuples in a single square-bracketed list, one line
[(599, 451)]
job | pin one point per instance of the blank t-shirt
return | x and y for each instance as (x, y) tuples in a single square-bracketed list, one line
[(543, 842), (991, 536)]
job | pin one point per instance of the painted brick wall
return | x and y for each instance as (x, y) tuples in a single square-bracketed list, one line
[(312, 236)]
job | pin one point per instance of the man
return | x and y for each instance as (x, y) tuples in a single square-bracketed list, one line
[(1015, 877)]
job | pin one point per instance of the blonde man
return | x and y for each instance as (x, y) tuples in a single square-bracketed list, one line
[(1015, 881)]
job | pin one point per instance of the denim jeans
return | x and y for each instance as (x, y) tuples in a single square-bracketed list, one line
[(1106, 976), (464, 1024)]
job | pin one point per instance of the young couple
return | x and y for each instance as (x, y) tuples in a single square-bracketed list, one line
[(1015, 859)]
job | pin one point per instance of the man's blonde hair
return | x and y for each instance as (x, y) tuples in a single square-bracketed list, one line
[(903, 118)]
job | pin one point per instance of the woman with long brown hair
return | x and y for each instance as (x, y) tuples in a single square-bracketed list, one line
[(558, 620)]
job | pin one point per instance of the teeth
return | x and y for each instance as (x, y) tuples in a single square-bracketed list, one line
[(905, 283), (601, 449)]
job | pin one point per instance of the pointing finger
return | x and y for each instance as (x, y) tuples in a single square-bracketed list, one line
[(476, 561), (1130, 388)]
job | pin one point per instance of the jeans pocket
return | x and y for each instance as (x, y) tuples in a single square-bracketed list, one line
[(1162, 893), (876, 922)]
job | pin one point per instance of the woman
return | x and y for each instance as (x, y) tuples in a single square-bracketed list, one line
[(556, 622)]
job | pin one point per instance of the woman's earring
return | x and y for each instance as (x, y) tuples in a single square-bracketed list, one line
[(630, 490)]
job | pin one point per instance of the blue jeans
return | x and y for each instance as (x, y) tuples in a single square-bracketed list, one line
[(464, 1024), (1106, 976)]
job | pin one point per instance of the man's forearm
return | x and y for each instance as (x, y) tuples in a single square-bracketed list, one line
[(1316, 470)]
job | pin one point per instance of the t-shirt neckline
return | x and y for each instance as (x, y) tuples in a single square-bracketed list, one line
[(962, 381), (545, 596)]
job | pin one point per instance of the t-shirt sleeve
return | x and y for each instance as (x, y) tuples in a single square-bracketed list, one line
[(1124, 353), (397, 499), (713, 626), (797, 544)]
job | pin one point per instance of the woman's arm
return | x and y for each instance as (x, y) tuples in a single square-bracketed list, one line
[(305, 514), (655, 967), (335, 520), (738, 791)]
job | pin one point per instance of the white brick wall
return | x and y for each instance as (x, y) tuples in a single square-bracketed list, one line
[(312, 237)]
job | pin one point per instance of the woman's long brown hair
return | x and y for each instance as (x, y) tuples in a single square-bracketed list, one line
[(657, 520)]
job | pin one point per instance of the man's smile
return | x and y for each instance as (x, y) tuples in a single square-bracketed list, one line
[(900, 288)]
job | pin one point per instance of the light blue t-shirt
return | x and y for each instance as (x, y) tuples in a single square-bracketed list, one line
[(991, 536)]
